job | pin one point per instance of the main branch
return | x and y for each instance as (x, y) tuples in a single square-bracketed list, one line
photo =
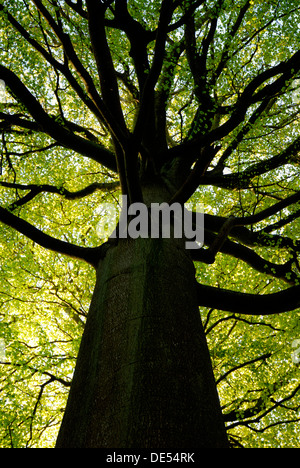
[(89, 255), (249, 304)]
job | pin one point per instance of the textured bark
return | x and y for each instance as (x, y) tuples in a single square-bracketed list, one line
[(143, 377)]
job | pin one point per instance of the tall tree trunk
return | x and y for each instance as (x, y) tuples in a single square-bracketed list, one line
[(143, 377)]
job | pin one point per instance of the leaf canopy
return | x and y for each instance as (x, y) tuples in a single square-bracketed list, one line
[(205, 95)]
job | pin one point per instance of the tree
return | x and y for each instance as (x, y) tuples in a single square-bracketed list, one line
[(163, 102)]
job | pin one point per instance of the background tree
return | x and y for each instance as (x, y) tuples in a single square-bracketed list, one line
[(162, 101)]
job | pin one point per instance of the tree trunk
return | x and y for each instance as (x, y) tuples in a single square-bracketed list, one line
[(143, 377)]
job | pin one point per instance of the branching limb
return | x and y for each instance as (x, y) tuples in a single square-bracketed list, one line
[(225, 54), (189, 10), (109, 86), (261, 410), (53, 128), (244, 364), (147, 98), (106, 70), (191, 183), (249, 304), (91, 99), (247, 255), (241, 180), (251, 238), (235, 227), (90, 255), (162, 96), (242, 133), (221, 238), (35, 190), (105, 187), (18, 120), (232, 222), (286, 71), (53, 378), (77, 7), (138, 38), (264, 214), (261, 404), (107, 116), (283, 222)]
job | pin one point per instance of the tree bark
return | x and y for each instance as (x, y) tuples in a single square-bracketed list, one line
[(143, 377)]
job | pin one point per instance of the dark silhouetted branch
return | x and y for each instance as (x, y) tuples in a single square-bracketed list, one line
[(249, 304), (89, 255), (50, 126)]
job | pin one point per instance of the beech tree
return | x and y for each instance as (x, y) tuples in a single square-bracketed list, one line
[(169, 101)]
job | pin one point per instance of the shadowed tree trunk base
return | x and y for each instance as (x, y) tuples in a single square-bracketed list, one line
[(143, 377)]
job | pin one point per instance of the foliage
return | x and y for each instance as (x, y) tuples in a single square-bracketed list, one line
[(213, 84)]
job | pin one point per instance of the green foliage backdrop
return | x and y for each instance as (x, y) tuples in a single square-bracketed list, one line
[(44, 296)]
